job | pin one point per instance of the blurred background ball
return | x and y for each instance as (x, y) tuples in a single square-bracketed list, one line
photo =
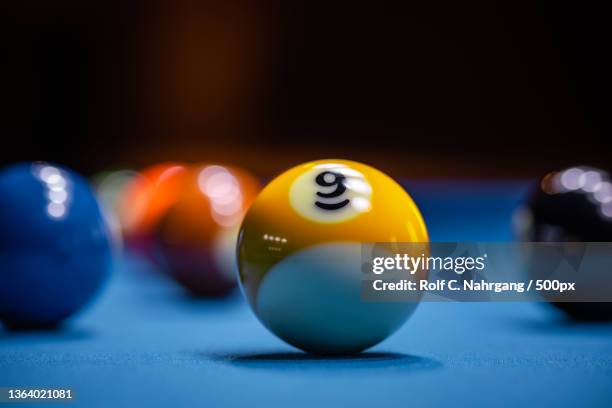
[(572, 205), (144, 200), (197, 234), (55, 250), (109, 186)]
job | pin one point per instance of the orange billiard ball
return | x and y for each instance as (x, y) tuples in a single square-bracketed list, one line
[(144, 200)]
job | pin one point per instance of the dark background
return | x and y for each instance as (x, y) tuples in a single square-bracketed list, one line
[(430, 89)]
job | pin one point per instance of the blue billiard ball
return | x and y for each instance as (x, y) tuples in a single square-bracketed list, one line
[(55, 249)]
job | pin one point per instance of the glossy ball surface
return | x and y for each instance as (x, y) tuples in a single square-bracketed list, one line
[(55, 250), (299, 254), (572, 205), (196, 236), (144, 200)]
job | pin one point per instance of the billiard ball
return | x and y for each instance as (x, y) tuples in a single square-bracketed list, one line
[(196, 236), (55, 249), (144, 200), (109, 186), (572, 205), (299, 254)]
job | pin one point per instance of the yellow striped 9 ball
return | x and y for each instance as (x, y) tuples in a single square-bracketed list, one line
[(299, 254)]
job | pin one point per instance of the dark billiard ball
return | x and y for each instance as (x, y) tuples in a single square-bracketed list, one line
[(572, 205), (196, 235), (299, 254), (55, 250)]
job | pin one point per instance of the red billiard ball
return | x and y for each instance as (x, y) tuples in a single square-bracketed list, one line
[(196, 236)]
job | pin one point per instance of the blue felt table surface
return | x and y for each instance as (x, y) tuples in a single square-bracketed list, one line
[(143, 343)]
